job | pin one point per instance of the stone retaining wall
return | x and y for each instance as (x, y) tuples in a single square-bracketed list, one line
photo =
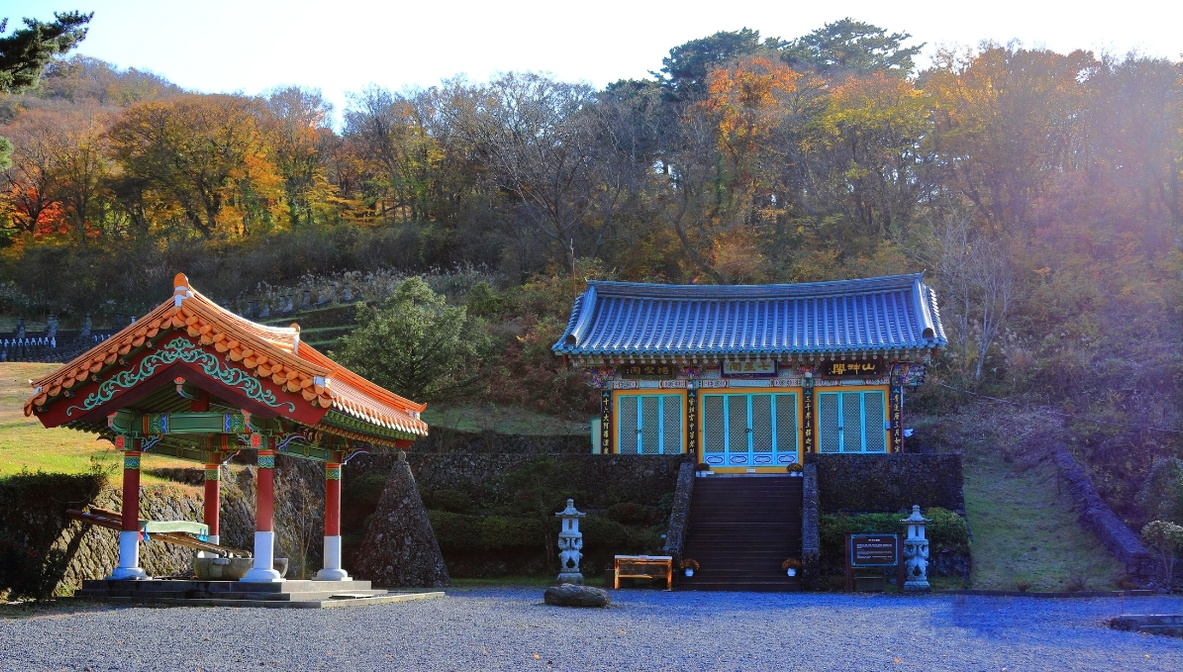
[(34, 517), (810, 531), (868, 483), (1140, 564), (603, 479), (680, 512)]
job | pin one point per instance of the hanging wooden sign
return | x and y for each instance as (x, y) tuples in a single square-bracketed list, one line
[(860, 367), (750, 368), (646, 371)]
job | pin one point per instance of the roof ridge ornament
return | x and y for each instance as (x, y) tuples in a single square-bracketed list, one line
[(181, 289)]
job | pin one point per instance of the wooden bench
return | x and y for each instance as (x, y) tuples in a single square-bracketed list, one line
[(639, 567)]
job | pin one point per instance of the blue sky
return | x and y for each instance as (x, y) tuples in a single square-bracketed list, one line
[(344, 45)]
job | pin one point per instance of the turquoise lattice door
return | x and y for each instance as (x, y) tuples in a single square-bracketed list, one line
[(851, 422), (649, 424), (749, 430)]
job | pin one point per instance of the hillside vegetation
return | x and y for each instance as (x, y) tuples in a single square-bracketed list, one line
[(1040, 191)]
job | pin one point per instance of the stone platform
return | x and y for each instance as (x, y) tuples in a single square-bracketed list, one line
[(293, 594), (1154, 624)]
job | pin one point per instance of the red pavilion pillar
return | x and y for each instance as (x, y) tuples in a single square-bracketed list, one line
[(332, 545), (264, 569), (213, 500), (129, 534)]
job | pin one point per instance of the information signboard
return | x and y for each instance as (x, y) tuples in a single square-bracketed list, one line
[(874, 550)]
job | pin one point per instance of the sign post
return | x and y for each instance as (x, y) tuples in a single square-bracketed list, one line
[(873, 550)]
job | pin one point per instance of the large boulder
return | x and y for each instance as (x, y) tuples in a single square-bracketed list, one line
[(568, 595), (399, 549)]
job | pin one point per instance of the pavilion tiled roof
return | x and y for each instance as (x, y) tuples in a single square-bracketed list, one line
[(269, 352), (626, 320)]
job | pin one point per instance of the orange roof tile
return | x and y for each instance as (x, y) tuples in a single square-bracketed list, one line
[(272, 352)]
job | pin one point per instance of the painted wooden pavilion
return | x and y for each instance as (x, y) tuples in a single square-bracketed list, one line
[(751, 378), (195, 381)]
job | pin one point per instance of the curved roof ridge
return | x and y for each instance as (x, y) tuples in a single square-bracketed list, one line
[(867, 315), (788, 290)]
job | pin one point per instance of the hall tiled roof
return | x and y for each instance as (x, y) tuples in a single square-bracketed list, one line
[(866, 316), (268, 352)]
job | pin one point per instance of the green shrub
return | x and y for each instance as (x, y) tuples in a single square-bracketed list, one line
[(463, 533), (628, 513), (946, 531), (454, 501), (32, 515), (28, 573), (364, 491), (608, 537), (1161, 497)]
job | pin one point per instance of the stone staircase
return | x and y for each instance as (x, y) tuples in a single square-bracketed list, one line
[(741, 529)]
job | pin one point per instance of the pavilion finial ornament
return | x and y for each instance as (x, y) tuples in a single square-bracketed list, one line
[(181, 289)]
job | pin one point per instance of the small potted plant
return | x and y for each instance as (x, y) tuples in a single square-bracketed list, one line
[(791, 566), (702, 469), (688, 566), (795, 469)]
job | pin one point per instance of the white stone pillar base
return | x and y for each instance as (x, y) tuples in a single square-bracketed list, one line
[(264, 569), (332, 570), (129, 558)]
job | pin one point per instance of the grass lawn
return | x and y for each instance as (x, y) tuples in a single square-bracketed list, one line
[(26, 444), (1025, 533)]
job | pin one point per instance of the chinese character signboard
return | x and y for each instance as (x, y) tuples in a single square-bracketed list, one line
[(752, 368), (646, 370), (863, 368)]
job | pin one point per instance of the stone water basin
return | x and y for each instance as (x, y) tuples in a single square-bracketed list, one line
[(227, 569)]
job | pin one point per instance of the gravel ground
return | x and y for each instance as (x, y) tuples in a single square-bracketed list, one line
[(511, 629)]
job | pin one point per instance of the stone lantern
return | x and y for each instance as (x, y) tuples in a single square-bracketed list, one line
[(570, 545), (916, 552)]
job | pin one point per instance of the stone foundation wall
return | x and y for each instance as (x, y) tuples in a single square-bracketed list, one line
[(603, 479), (869, 483)]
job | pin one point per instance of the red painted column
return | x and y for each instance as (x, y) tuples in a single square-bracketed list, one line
[(131, 491), (263, 570), (265, 504), (332, 499), (129, 534), (213, 500), (332, 543)]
